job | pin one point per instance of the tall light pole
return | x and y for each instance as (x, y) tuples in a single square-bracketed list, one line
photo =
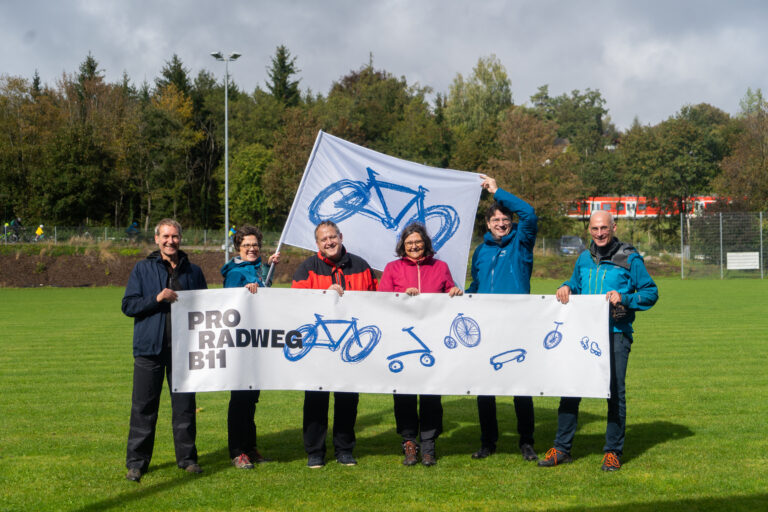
[(231, 57)]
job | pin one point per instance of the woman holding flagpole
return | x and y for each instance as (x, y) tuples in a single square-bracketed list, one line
[(417, 271), (246, 270)]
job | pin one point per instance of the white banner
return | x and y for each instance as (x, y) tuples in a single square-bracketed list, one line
[(372, 197), (373, 342)]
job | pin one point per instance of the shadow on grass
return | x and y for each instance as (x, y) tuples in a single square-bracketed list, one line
[(750, 503)]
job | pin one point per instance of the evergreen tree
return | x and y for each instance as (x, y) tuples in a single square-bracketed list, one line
[(280, 84)]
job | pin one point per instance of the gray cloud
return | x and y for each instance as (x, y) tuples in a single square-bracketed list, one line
[(647, 58)]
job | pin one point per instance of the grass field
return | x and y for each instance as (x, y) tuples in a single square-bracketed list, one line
[(696, 439)]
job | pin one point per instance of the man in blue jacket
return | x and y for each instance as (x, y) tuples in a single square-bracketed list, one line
[(151, 289), (503, 264), (615, 269)]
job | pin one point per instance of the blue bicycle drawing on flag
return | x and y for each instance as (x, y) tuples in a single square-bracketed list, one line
[(356, 343), (346, 198), (465, 330)]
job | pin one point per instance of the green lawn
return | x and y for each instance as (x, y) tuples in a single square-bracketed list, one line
[(696, 439)]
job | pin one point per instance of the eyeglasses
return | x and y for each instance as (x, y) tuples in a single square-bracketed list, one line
[(414, 244), (501, 220), (249, 246)]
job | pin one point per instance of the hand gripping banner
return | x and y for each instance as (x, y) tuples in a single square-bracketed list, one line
[(372, 342)]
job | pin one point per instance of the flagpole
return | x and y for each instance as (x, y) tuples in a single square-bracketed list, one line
[(295, 200)]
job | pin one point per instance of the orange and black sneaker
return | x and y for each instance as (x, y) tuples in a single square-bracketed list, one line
[(611, 462), (553, 457)]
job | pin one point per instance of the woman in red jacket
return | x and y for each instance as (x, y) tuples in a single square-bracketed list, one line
[(417, 271)]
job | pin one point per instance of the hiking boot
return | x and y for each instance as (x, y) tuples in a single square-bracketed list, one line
[(428, 459), (611, 462), (346, 459), (483, 452), (315, 461), (554, 457), (528, 452), (194, 468), (242, 462), (257, 458), (410, 449), (134, 475)]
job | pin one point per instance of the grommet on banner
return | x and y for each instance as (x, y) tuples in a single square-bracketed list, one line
[(541, 393), (394, 391), (320, 388), (468, 392)]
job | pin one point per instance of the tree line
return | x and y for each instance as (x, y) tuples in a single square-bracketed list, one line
[(85, 151)]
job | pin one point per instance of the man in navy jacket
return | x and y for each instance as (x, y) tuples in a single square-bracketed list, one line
[(503, 264), (151, 289)]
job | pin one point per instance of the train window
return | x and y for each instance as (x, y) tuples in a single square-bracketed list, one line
[(619, 207), (641, 207), (606, 206)]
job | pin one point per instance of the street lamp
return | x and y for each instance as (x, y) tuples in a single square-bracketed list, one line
[(232, 57)]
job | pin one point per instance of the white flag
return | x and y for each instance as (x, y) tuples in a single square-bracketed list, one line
[(372, 197)]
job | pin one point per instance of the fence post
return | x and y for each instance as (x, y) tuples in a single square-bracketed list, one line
[(721, 245), (762, 269), (54, 235), (682, 247)]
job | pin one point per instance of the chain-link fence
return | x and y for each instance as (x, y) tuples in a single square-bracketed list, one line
[(723, 245), (198, 238)]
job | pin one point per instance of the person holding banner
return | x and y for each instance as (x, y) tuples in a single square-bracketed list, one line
[(245, 270), (615, 269), (503, 264), (332, 268), (150, 291), (417, 271)]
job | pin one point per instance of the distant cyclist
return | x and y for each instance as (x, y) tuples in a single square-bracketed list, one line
[(39, 233)]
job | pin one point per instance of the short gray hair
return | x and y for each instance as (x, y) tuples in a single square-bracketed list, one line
[(167, 222)]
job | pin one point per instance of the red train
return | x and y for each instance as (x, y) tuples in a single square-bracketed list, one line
[(634, 207)]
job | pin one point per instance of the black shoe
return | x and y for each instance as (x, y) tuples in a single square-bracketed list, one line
[(611, 462), (428, 459), (315, 461), (346, 459), (554, 457), (134, 475), (410, 449), (257, 458), (193, 468), (528, 452), (483, 452)]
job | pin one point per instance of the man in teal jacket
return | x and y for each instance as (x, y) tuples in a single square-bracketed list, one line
[(615, 269), (503, 264)]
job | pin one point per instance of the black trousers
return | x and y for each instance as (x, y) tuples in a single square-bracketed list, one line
[(316, 421), (241, 428), (489, 427), (148, 375), (427, 420)]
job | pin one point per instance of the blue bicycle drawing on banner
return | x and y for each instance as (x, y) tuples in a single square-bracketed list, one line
[(346, 198), (465, 330), (426, 358), (356, 343)]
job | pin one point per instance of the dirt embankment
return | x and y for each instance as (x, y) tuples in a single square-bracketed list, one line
[(103, 268)]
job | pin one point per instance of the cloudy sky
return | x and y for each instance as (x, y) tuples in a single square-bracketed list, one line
[(648, 58)]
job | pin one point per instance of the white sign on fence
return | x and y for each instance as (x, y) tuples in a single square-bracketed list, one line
[(743, 260), (374, 342)]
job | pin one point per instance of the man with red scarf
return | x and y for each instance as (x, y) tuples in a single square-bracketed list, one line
[(332, 268)]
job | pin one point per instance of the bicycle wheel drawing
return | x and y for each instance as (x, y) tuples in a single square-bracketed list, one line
[(467, 330), (553, 338), (441, 220), (308, 339), (396, 366), (358, 347), (339, 201), (449, 342), (427, 360)]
